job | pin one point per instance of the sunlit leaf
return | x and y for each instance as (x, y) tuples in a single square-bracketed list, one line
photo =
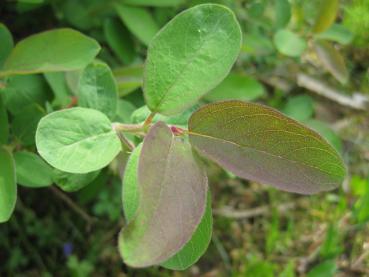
[(139, 21), (236, 86), (289, 43), (6, 43), (188, 57), (299, 107), (172, 200), (97, 89), (332, 60), (71, 182), (258, 143), (327, 14), (327, 268), (32, 171), (8, 186), (50, 51), (200, 240), (77, 140), (119, 40)]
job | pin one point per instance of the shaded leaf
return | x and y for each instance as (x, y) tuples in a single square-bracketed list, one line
[(124, 111), (71, 182), (139, 21), (332, 60), (325, 269), (24, 124), (283, 13), (6, 43), (172, 200), (56, 50), (4, 124), (337, 33), (327, 14), (289, 43), (119, 40), (258, 143), (200, 240), (32, 171), (128, 78), (58, 84), (299, 107), (8, 186), (154, 3), (77, 140), (97, 89), (22, 91), (236, 86), (188, 57)]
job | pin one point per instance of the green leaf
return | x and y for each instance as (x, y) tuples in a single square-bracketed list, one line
[(124, 111), (128, 78), (32, 171), (77, 140), (58, 84), (4, 125), (72, 182), (97, 89), (154, 3), (6, 43), (327, 14), (337, 33), (172, 200), (325, 269), (200, 240), (283, 13), (190, 56), (258, 143), (257, 44), (325, 131), (22, 91), (236, 86), (119, 40), (332, 60), (24, 124), (289, 43), (8, 186), (299, 107), (332, 245), (139, 21), (56, 50)]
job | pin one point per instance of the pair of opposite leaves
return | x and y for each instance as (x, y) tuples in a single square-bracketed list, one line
[(185, 60)]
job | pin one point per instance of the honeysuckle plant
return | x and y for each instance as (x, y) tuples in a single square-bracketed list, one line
[(165, 195)]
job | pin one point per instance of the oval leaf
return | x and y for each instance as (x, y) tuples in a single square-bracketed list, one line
[(192, 54), (4, 124), (258, 143), (56, 50), (32, 171), (327, 14), (72, 182), (6, 43), (77, 140), (332, 60), (200, 240), (139, 21), (97, 89), (172, 200), (8, 186), (289, 43)]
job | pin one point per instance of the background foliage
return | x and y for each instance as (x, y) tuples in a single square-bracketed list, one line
[(305, 58)]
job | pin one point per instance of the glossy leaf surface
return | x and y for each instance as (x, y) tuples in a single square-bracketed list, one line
[(172, 200), (56, 50), (77, 140), (200, 240), (188, 57), (332, 60), (97, 89), (258, 143), (8, 185), (32, 171)]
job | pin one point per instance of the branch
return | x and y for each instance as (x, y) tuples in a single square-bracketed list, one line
[(357, 102)]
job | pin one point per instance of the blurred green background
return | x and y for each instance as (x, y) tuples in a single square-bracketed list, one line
[(318, 78)]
